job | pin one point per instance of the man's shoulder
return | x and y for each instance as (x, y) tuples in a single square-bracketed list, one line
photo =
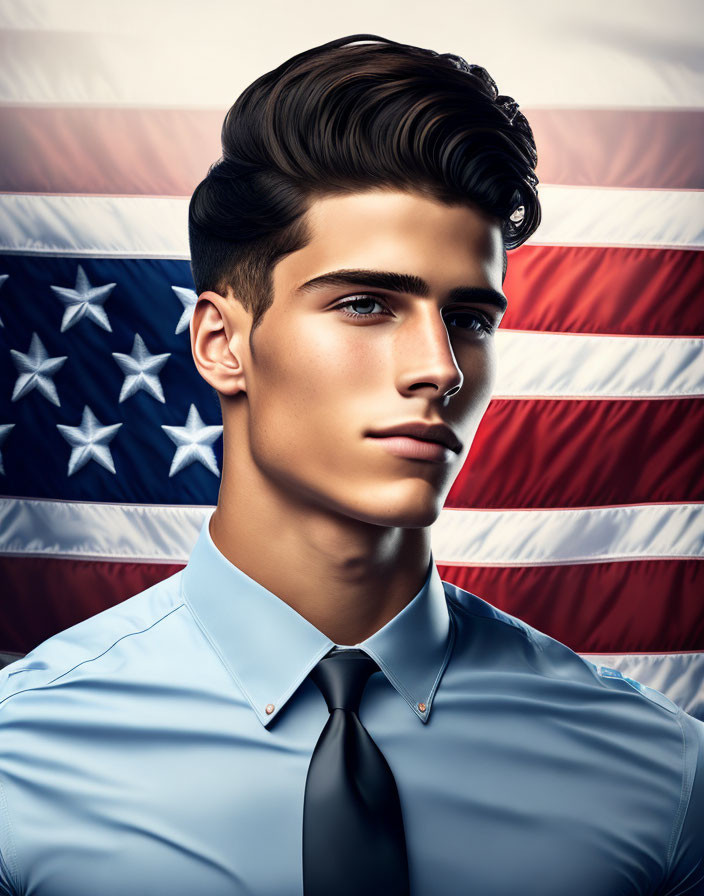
[(92, 639), (648, 749), (548, 656)]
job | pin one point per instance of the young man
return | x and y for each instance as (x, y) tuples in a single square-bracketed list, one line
[(307, 708)]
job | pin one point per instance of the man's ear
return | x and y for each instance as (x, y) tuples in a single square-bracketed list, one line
[(219, 330)]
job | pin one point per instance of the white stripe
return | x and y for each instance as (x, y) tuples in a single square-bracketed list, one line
[(166, 534), (679, 676), (567, 535), (631, 54), (81, 530), (573, 365), (156, 227), (101, 226), (608, 216)]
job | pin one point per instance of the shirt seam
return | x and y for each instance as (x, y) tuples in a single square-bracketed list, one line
[(92, 659), (685, 797), (10, 856)]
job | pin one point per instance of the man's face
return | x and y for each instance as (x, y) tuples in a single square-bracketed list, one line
[(323, 376)]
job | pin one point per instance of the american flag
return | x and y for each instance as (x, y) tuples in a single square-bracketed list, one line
[(579, 508)]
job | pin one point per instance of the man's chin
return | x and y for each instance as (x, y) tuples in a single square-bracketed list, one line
[(413, 504), (418, 515)]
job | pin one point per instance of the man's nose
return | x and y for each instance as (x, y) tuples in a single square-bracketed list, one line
[(424, 355)]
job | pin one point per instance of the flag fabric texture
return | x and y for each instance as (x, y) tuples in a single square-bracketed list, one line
[(579, 507)]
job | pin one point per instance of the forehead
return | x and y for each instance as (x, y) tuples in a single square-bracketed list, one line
[(386, 228)]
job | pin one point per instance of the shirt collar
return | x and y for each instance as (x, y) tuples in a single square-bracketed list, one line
[(269, 648)]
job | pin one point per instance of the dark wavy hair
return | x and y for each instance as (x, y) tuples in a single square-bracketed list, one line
[(341, 118)]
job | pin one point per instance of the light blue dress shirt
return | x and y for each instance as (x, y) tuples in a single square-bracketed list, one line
[(162, 746)]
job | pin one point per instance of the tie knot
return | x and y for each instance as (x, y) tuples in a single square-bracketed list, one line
[(342, 676)]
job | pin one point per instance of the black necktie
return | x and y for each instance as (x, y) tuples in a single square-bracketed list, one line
[(353, 837)]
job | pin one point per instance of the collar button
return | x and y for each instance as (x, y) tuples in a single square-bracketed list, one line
[(422, 707), (269, 708)]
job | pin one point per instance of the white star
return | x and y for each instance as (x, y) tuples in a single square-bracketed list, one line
[(84, 301), (3, 278), (188, 299), (193, 441), (4, 433), (35, 371), (89, 441), (141, 370)]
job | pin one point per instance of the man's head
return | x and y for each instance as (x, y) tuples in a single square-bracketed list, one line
[(375, 157)]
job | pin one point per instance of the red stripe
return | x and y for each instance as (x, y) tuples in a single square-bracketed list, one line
[(548, 453), (168, 151), (49, 595), (160, 152), (644, 605), (643, 148), (649, 292), (641, 606)]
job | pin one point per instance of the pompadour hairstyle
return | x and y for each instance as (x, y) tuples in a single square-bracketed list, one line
[(341, 118)]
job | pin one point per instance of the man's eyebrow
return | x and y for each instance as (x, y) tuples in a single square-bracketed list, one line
[(409, 283)]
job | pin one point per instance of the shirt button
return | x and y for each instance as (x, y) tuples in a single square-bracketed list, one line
[(422, 707), (269, 708)]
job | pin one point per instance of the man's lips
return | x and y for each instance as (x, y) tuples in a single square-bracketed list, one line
[(415, 449), (420, 429)]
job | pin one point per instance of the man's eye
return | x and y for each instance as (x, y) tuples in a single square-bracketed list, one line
[(470, 321), (363, 300), (470, 318)]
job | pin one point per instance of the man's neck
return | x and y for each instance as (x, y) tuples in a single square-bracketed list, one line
[(347, 578)]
